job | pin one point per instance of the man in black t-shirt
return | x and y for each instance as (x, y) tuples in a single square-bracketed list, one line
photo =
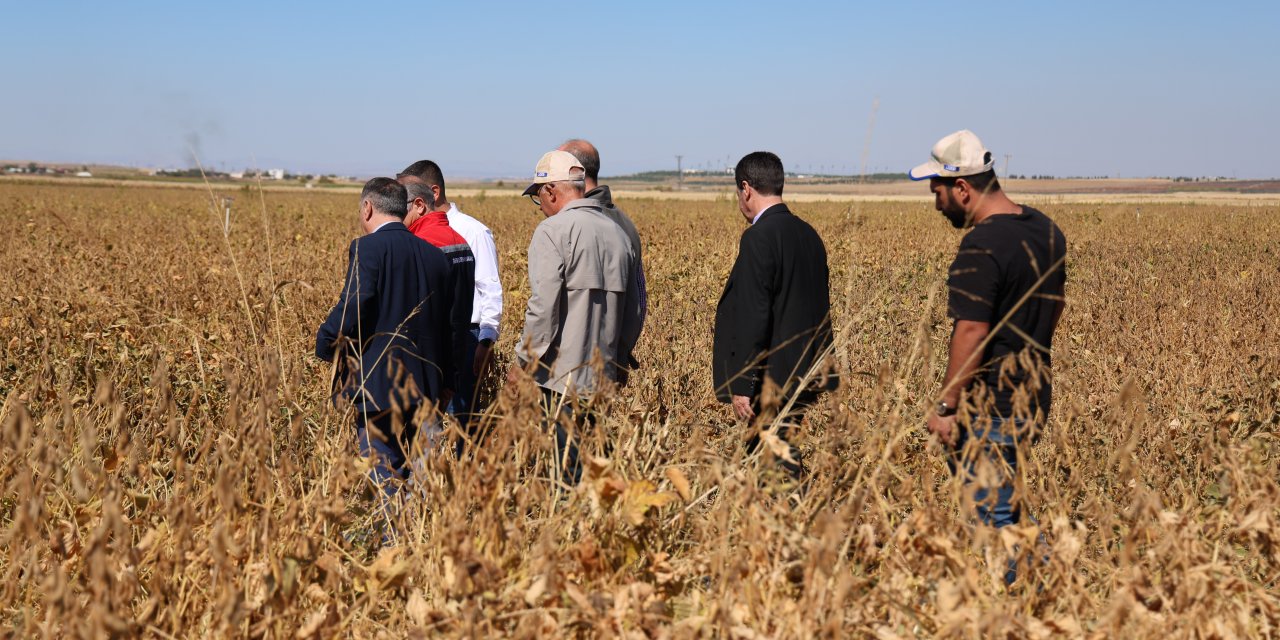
[(1006, 288)]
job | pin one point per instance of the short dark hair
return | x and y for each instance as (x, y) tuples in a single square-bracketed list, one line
[(428, 172), (586, 154), (985, 182), (762, 170), (387, 196)]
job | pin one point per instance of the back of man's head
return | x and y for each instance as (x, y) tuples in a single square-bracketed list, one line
[(985, 182), (586, 154), (387, 197), (762, 170), (428, 172), (416, 188)]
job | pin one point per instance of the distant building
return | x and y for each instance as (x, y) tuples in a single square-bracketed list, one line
[(235, 175), (275, 174), (83, 174)]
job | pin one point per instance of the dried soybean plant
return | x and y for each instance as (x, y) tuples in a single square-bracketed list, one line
[(171, 465)]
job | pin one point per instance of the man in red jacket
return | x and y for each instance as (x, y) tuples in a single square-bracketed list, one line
[(433, 226)]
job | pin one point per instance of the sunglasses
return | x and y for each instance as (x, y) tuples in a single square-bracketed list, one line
[(536, 196)]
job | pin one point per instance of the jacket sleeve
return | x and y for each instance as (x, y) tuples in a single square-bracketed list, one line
[(356, 307), (750, 299), (644, 291), (546, 281), (488, 285), (633, 314)]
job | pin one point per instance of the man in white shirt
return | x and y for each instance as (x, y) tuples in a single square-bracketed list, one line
[(486, 314)]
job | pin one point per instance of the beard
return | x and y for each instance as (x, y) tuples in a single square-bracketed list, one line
[(957, 218)]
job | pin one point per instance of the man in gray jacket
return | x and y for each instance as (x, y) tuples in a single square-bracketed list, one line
[(587, 154), (582, 317)]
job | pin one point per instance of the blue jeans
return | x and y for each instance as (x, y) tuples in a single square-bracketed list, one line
[(996, 444)]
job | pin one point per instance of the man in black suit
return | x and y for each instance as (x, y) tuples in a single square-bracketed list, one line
[(773, 321), (389, 332)]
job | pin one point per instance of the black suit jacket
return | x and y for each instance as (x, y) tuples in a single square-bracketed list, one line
[(390, 328), (774, 315)]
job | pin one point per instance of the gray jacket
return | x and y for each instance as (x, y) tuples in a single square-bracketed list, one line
[(582, 300), (602, 195)]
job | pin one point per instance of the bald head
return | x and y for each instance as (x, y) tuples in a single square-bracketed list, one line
[(586, 154)]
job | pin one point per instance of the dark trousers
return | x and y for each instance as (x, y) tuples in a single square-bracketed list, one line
[(561, 411), (377, 437), (795, 469), (465, 405)]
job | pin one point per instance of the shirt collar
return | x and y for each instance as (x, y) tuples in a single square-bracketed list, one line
[(379, 227), (761, 212)]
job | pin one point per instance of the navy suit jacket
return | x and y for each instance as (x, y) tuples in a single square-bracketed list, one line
[(390, 329), (774, 317)]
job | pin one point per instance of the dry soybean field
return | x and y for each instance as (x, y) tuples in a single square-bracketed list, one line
[(170, 465)]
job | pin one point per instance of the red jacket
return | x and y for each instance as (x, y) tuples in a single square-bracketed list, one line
[(434, 228)]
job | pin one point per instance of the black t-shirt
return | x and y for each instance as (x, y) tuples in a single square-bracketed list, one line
[(1002, 260)]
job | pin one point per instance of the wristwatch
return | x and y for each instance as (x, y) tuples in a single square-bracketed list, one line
[(945, 410)]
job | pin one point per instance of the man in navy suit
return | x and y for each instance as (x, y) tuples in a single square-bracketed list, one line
[(389, 332)]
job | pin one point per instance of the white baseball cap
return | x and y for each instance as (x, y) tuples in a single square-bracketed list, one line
[(555, 166), (957, 155)]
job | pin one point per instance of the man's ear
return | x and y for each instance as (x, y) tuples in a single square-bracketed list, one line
[(435, 195), (366, 210)]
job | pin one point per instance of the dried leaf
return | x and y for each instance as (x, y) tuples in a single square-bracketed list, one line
[(680, 482), (777, 446), (639, 498), (417, 608), (533, 595)]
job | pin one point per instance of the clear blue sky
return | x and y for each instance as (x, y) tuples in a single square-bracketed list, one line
[(1080, 88)]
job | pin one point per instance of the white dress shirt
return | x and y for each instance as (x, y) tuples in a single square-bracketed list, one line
[(486, 309), (759, 213)]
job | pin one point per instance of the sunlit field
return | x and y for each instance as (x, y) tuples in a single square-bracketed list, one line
[(170, 465)]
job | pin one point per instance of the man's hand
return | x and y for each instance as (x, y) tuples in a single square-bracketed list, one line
[(944, 428), (484, 357), (742, 408), (515, 373)]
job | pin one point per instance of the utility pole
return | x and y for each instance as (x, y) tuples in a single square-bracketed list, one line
[(1006, 165), (679, 173)]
